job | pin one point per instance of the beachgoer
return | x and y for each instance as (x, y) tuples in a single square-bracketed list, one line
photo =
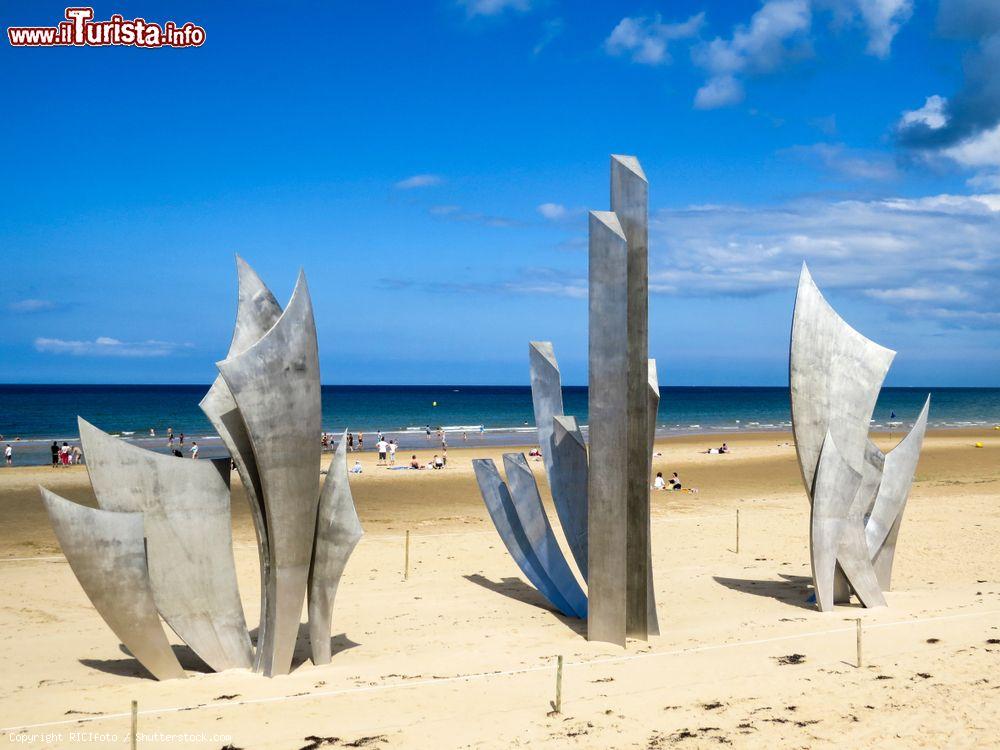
[(724, 448), (350, 442), (382, 447), (414, 463), (182, 438), (361, 441), (392, 452), (675, 482), (427, 429), (64, 454), (152, 432), (659, 483), (357, 468), (77, 455), (465, 436), (194, 450), (179, 454), (323, 441), (55, 454), (437, 463), (8, 454)]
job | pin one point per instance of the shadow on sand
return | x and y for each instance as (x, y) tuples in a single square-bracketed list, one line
[(517, 589)]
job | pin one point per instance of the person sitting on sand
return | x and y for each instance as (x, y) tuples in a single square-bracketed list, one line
[(659, 483), (436, 462), (414, 463), (675, 482), (357, 469)]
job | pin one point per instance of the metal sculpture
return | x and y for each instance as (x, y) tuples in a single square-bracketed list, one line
[(184, 505), (173, 515), (106, 552), (275, 384), (338, 531), (500, 506), (256, 312), (857, 493), (563, 450), (602, 503)]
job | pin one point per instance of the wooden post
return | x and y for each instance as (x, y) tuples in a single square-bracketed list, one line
[(737, 531), (406, 559), (859, 643), (135, 723), (557, 706)]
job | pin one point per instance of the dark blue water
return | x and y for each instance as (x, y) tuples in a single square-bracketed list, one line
[(49, 411)]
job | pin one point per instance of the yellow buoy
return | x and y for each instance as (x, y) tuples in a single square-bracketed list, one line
[(979, 445)]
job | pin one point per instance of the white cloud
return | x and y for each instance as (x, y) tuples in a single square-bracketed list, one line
[(105, 346), (553, 211), (720, 91), (936, 257), (853, 164), (775, 33), (645, 39), (419, 181), (932, 114), (27, 306), (883, 19), (979, 150), (475, 8)]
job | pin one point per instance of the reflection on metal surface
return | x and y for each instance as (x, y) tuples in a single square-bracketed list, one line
[(256, 311), (275, 383), (106, 551), (538, 532), (835, 375), (338, 531)]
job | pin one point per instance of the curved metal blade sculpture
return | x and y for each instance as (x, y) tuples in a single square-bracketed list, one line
[(107, 553), (162, 540), (184, 505), (275, 383), (256, 312), (338, 531), (602, 504), (857, 493)]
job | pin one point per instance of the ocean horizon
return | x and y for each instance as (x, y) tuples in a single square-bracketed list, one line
[(34, 414)]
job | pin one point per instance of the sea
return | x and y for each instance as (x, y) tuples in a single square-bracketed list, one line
[(32, 416)]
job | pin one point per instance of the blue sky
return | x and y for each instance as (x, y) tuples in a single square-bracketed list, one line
[(430, 166)]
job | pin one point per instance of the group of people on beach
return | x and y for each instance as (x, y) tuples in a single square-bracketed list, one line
[(65, 455)]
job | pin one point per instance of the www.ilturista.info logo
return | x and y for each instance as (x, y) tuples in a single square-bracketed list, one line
[(81, 30)]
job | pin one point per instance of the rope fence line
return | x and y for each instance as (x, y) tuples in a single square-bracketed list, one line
[(482, 676)]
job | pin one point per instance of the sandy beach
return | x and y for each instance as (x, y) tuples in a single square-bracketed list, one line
[(463, 653)]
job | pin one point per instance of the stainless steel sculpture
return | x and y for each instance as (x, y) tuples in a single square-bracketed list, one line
[(184, 506), (338, 531), (508, 524), (857, 492), (106, 551), (608, 419), (629, 202), (257, 310), (563, 450), (275, 384), (886, 514), (602, 502)]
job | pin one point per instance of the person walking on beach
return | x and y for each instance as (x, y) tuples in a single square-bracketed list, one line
[(8, 454), (392, 453), (350, 442), (55, 454), (382, 447), (194, 449), (361, 441), (182, 438), (64, 454), (170, 437)]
